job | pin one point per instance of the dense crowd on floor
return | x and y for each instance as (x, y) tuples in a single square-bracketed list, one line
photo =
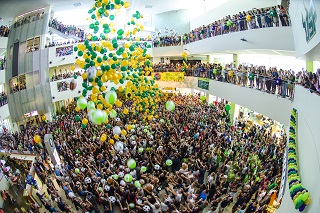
[(4, 31), (66, 29), (215, 164)]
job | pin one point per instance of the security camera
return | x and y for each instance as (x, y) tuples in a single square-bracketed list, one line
[(243, 39)]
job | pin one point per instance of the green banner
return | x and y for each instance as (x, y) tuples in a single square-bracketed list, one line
[(203, 83)]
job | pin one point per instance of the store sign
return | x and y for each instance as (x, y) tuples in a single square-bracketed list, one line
[(203, 83), (309, 21), (168, 76), (49, 143)]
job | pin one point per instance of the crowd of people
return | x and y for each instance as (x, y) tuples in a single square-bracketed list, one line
[(4, 31), (18, 87), (28, 19), (256, 18), (214, 164), (3, 99), (66, 29), (271, 80), (70, 74), (2, 63), (166, 41), (56, 44), (64, 51)]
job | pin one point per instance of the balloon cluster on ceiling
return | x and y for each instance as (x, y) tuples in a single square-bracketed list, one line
[(299, 194), (122, 60)]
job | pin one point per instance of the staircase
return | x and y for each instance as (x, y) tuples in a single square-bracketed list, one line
[(57, 32)]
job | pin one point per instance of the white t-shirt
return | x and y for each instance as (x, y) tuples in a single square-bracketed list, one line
[(154, 209), (178, 197), (164, 207)]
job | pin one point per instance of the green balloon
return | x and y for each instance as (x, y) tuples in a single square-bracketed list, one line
[(83, 126), (77, 118), (127, 178), (143, 169), (169, 162), (80, 53), (131, 164), (120, 32), (111, 17), (137, 184), (228, 107)]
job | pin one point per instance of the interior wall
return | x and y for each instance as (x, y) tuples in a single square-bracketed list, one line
[(308, 137), (299, 10), (3, 42), (273, 38), (177, 20), (283, 62), (232, 7)]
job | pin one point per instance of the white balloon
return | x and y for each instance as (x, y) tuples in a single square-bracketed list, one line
[(116, 130), (118, 146), (91, 72)]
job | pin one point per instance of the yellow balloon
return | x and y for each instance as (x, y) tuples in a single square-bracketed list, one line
[(77, 109), (84, 76), (103, 88), (116, 136), (125, 111), (85, 121), (126, 5), (118, 103), (124, 132), (111, 141), (100, 106), (72, 67), (37, 139), (99, 73), (95, 90), (184, 55), (308, 201), (103, 138), (129, 127)]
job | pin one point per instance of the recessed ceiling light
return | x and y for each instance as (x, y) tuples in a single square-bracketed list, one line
[(148, 6), (77, 4)]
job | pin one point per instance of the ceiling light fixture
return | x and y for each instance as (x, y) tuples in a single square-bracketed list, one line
[(149, 6), (78, 4)]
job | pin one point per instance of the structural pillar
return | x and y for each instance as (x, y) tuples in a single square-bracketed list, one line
[(235, 60), (234, 112), (309, 66), (211, 59)]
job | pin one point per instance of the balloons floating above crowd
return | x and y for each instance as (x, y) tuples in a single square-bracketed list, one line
[(124, 63), (170, 106)]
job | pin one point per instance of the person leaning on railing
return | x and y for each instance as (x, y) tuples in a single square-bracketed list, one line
[(3, 99)]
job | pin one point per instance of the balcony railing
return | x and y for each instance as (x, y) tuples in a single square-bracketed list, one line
[(276, 86)]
